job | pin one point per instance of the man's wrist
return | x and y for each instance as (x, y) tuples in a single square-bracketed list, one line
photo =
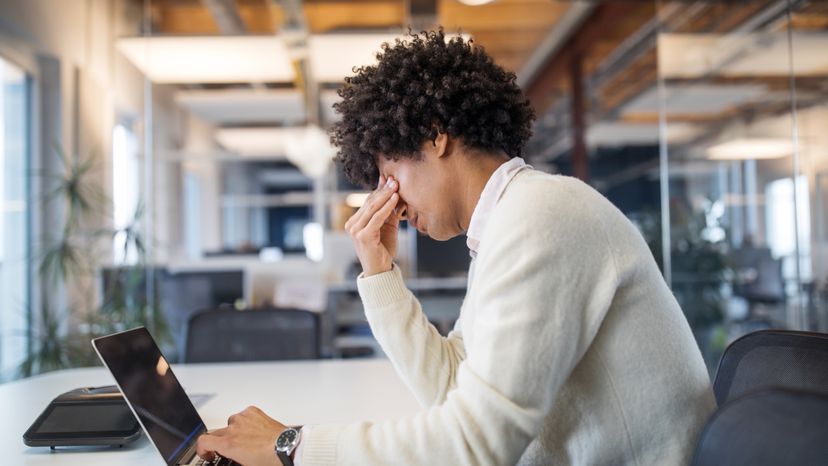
[(370, 271), (287, 455), (287, 443)]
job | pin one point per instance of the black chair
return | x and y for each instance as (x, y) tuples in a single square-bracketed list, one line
[(768, 427), (784, 358), (273, 334)]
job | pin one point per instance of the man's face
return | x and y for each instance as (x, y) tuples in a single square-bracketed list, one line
[(425, 193)]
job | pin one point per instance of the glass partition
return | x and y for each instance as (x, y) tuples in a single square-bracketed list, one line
[(808, 35), (745, 81)]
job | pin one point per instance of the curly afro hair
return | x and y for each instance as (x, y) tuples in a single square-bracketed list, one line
[(422, 86)]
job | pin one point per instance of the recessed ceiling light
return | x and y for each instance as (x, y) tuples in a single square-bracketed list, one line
[(307, 147), (257, 142), (751, 149), (334, 56), (210, 59), (244, 106)]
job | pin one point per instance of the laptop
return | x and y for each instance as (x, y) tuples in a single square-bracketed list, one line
[(154, 395)]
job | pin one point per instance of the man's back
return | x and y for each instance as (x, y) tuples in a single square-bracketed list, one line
[(639, 393)]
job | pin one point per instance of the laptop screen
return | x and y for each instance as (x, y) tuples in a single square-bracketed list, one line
[(152, 391)]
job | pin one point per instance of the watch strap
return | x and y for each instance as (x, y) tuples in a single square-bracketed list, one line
[(285, 456), (285, 459)]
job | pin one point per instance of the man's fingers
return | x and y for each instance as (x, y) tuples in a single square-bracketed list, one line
[(208, 445), (379, 218), (369, 201), (375, 201)]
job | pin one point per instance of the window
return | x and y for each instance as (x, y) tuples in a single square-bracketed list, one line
[(125, 192), (14, 219), (782, 234)]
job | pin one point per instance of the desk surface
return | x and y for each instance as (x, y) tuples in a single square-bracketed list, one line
[(323, 391)]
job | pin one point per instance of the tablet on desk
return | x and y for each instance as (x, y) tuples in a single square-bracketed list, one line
[(84, 417)]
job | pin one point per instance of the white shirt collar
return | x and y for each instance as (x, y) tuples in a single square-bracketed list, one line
[(488, 199)]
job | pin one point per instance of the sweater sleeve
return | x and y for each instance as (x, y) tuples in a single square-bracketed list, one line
[(544, 279), (425, 360)]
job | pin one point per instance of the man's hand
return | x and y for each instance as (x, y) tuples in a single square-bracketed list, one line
[(248, 439), (373, 228)]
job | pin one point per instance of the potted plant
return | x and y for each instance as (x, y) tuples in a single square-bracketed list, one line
[(61, 332)]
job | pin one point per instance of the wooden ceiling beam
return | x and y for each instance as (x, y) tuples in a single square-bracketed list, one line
[(189, 18), (509, 38), (495, 16), (615, 19), (329, 15), (185, 19)]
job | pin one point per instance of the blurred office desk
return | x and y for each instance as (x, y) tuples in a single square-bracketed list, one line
[(291, 392), (440, 298)]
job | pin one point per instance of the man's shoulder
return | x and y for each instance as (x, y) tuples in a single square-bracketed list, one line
[(537, 191)]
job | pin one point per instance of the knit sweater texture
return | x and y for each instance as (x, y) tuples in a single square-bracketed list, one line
[(570, 349)]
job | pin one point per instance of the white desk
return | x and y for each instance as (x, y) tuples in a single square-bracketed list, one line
[(320, 391)]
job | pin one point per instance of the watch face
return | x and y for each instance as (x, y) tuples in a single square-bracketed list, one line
[(286, 439)]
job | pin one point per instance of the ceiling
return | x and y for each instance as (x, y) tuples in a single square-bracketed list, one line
[(719, 62), (509, 30), (621, 50), (312, 45)]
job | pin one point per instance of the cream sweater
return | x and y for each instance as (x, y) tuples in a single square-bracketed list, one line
[(569, 349)]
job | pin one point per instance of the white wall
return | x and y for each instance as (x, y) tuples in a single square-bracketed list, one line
[(97, 86)]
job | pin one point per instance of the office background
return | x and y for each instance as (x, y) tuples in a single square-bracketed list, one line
[(160, 158)]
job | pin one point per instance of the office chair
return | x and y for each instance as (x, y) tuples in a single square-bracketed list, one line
[(224, 335), (773, 358), (768, 427)]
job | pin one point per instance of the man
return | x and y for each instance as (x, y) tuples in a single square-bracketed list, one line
[(569, 348)]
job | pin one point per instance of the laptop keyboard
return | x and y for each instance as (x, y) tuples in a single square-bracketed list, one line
[(217, 461)]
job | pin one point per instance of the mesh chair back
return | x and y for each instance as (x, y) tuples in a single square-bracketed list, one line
[(768, 427), (224, 335), (773, 358)]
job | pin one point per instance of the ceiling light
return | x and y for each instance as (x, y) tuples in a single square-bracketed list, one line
[(256, 142), (475, 2), (751, 149), (334, 56), (210, 59), (695, 98), (311, 151), (620, 133), (307, 147), (750, 54), (244, 106)]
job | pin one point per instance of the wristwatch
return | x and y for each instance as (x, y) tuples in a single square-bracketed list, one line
[(286, 443)]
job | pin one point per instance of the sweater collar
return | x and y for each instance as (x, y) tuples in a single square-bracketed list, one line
[(488, 199)]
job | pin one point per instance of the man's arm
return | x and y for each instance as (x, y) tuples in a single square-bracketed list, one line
[(540, 292), (425, 360), (539, 295)]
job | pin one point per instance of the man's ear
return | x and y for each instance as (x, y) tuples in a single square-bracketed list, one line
[(440, 144)]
